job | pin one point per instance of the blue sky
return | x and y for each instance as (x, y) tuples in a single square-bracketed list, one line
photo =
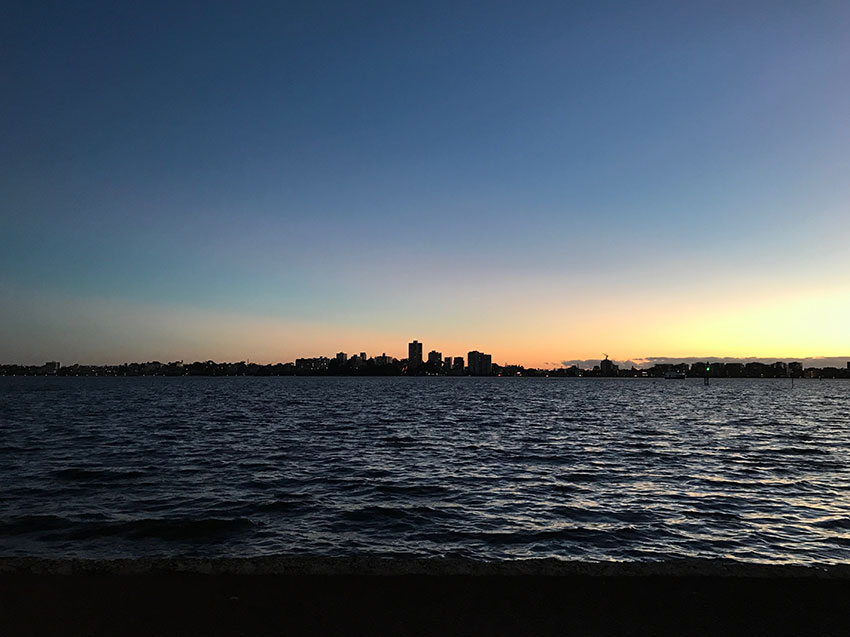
[(355, 174)]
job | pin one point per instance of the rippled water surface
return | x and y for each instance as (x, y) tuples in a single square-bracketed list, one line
[(631, 469)]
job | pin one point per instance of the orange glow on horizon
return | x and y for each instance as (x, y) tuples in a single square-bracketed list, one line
[(809, 324)]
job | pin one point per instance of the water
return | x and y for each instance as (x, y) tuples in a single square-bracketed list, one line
[(631, 469)]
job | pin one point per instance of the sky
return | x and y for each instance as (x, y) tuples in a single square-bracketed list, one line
[(543, 181)]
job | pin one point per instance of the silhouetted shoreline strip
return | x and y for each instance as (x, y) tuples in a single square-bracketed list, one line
[(379, 566), (367, 595), (387, 366)]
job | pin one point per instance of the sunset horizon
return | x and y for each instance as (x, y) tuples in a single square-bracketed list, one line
[(547, 183), (425, 318)]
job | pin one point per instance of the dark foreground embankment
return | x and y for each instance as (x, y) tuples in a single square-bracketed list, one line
[(366, 595)]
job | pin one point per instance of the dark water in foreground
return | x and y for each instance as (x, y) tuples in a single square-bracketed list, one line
[(476, 467)]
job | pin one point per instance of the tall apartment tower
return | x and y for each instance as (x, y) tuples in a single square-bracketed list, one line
[(479, 364), (414, 354)]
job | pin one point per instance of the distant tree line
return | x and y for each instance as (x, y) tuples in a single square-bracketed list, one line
[(386, 366)]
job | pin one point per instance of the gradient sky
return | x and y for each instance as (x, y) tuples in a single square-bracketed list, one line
[(547, 181)]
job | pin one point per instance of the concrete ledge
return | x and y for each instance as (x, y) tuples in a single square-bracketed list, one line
[(364, 595), (376, 566)]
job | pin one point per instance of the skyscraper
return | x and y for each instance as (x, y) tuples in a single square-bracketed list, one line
[(414, 354), (479, 364)]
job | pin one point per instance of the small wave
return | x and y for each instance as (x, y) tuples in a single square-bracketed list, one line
[(414, 490), (381, 514), (261, 484), (800, 435), (533, 458), (281, 503), (714, 481), (254, 464), (372, 513), (373, 472), (647, 432), (802, 451), (398, 440), (80, 474), (638, 444), (32, 524), (834, 523), (605, 515), (712, 514), (566, 488), (839, 539), (579, 476), (10, 448), (279, 506), (568, 534), (205, 529)]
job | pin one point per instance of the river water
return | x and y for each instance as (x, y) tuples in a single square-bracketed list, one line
[(491, 468)]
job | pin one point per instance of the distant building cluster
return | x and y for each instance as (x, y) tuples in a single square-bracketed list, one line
[(608, 368), (476, 364), (416, 363)]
